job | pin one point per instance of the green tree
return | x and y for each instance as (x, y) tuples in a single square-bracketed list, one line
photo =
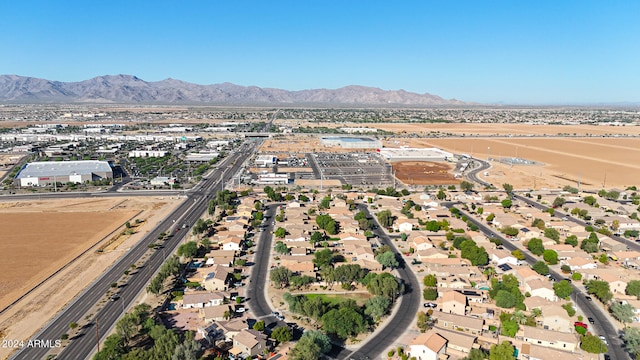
[(622, 312), (466, 186), (322, 258), (541, 268), (385, 218), (424, 321), (552, 234), (518, 254), (305, 349), (343, 322), (506, 203), (508, 188), (317, 237), (509, 328), (633, 288), (504, 351), (388, 260), (376, 307), (430, 280), (592, 344), (258, 326), (384, 284), (535, 246), (281, 334), (569, 308), (281, 248), (562, 289), (430, 293), (600, 289), (558, 201), (571, 240), (631, 338), (188, 249), (550, 256), (510, 231), (490, 217), (475, 354), (505, 299), (280, 277), (280, 233)]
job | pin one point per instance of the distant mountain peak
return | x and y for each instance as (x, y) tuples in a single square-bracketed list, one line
[(123, 88)]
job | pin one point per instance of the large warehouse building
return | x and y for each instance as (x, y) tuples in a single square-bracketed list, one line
[(47, 172), (415, 154), (350, 142)]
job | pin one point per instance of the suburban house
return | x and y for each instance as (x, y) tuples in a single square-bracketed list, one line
[(214, 313), (249, 342), (453, 302), (554, 317), (501, 256), (221, 257), (541, 288), (549, 338), (537, 352), (579, 263), (201, 299), (216, 279), (421, 243), (458, 323), (458, 343), (428, 346)]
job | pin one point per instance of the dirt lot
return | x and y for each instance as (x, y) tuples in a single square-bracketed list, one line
[(424, 173), (467, 129), (40, 236), (595, 162)]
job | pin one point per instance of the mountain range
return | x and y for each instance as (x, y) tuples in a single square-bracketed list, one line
[(129, 89)]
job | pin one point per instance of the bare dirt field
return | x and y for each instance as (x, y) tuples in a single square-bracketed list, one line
[(424, 173), (482, 129), (595, 162), (40, 236)]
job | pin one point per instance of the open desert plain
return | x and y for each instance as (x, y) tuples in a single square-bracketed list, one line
[(52, 249)]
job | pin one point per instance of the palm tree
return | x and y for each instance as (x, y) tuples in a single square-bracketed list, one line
[(490, 272), (520, 317)]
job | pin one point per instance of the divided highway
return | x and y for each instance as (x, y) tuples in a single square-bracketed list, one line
[(84, 344)]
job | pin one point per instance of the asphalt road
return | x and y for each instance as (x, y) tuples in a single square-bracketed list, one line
[(84, 344), (602, 324), (403, 318), (257, 302)]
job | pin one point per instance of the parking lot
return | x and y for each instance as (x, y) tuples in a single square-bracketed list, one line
[(357, 169)]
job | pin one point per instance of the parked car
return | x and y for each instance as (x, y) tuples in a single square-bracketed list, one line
[(430, 305), (581, 324), (588, 298), (591, 321), (604, 339)]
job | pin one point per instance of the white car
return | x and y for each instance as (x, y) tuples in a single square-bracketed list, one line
[(604, 339)]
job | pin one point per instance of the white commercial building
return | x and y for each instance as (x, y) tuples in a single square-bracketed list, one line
[(415, 154), (273, 179), (47, 172), (147, 153), (350, 142), (266, 160)]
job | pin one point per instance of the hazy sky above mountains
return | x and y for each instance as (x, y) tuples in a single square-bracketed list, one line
[(518, 52)]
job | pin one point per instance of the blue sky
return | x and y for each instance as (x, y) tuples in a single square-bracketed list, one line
[(514, 52)]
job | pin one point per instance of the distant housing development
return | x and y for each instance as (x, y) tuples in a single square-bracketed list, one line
[(47, 172)]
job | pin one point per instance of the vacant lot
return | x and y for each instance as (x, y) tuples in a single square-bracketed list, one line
[(39, 236), (595, 162), (35, 244), (424, 173)]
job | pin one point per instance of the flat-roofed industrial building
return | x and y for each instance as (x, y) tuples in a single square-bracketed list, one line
[(45, 173)]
